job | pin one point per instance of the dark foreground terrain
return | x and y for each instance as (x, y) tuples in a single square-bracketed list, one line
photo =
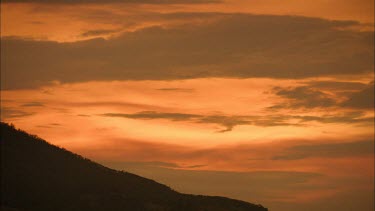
[(37, 176)]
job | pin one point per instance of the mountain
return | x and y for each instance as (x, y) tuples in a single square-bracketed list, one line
[(38, 176)]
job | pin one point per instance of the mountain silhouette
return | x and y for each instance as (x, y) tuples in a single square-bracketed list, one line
[(38, 176)]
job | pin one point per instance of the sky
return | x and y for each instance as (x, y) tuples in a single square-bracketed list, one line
[(264, 101)]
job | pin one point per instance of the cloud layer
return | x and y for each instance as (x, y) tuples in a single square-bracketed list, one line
[(235, 45)]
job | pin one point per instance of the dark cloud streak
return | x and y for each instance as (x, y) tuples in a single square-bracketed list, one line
[(229, 122), (175, 90), (33, 104), (99, 32)]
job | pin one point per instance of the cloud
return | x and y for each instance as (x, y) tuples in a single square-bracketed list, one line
[(349, 118), (87, 104), (175, 90), (99, 32), (51, 125), (363, 99), (330, 150), (156, 164), (195, 166), (234, 45), (113, 1), (303, 97), (337, 85), (325, 94), (33, 104), (155, 115), (11, 113), (83, 115), (230, 121), (227, 121)]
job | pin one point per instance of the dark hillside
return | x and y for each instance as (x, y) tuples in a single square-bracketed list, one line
[(36, 175)]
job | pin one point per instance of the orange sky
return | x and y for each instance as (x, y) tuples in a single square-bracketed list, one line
[(278, 97)]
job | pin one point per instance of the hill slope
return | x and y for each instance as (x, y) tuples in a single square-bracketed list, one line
[(38, 176)]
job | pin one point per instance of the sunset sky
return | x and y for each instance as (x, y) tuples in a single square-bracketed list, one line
[(265, 101)]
